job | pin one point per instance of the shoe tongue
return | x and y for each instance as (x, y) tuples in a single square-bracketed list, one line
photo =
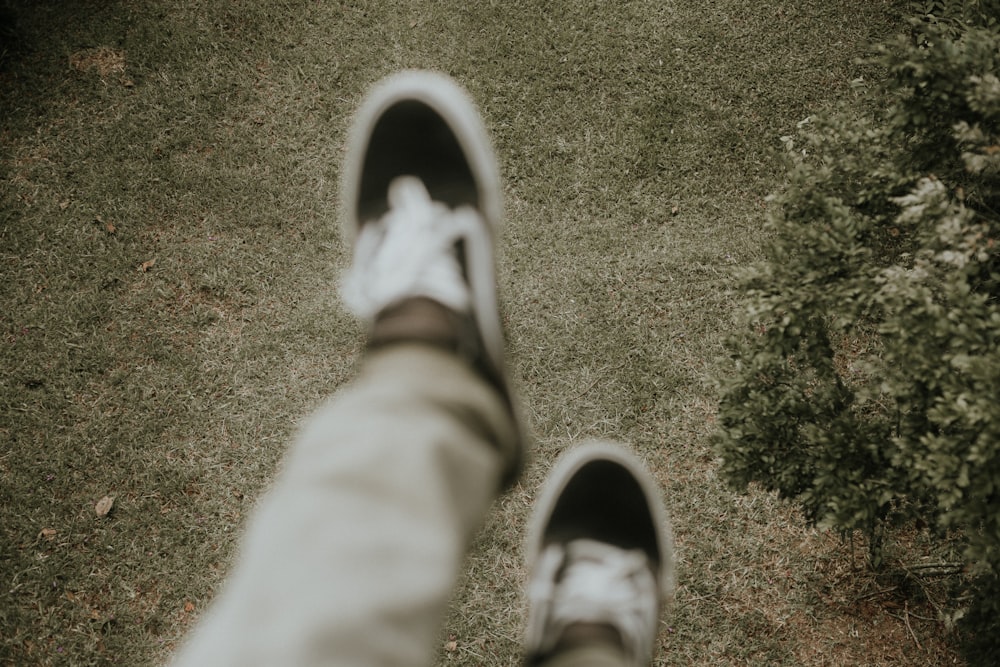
[(590, 549), (408, 192), (607, 555)]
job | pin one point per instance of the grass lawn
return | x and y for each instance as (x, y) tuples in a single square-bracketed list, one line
[(168, 257)]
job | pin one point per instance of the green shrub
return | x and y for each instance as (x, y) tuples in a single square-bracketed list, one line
[(869, 387)]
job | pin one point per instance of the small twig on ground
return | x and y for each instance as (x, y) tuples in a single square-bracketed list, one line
[(701, 597), (934, 569), (906, 617), (943, 566), (877, 592), (925, 618)]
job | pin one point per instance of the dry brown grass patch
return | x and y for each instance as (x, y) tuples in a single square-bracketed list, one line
[(103, 59)]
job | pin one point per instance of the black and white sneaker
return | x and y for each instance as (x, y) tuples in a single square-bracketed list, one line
[(600, 553), (421, 205)]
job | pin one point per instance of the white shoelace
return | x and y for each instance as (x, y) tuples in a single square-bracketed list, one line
[(408, 252), (593, 582)]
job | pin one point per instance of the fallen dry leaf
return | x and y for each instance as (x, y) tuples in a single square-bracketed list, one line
[(48, 533), (104, 505), (147, 265)]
